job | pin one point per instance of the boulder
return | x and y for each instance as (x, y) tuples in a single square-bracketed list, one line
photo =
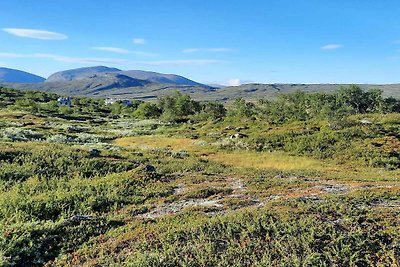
[(94, 152)]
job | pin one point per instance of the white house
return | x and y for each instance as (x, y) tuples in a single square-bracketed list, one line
[(65, 101), (109, 101), (123, 102)]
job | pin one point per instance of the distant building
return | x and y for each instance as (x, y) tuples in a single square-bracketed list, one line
[(123, 102), (126, 103), (109, 101), (65, 101)]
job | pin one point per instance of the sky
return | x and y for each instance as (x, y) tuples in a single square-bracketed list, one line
[(209, 41)]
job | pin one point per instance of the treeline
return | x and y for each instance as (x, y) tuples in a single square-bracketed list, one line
[(298, 106), (174, 108), (301, 106)]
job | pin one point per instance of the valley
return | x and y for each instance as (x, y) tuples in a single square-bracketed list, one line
[(105, 82), (199, 133)]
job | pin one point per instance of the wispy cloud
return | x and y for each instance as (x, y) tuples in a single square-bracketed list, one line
[(119, 50), (11, 55), (139, 41), (60, 58), (331, 46), (112, 49), (88, 60), (181, 62), (91, 60), (35, 34), (215, 49)]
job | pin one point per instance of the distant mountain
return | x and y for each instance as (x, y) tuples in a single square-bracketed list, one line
[(111, 86), (17, 76), (255, 91), (77, 74), (105, 82), (216, 85), (91, 85), (156, 77)]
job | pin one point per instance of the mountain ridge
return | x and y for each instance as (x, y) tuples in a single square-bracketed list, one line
[(87, 72), (8, 75), (101, 81), (78, 73)]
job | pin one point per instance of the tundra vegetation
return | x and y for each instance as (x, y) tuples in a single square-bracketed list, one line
[(306, 179)]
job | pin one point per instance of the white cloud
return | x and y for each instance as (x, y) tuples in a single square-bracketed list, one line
[(234, 82), (11, 55), (180, 62), (331, 46), (124, 51), (35, 34), (216, 49), (80, 59), (65, 58), (139, 41), (112, 49), (90, 60)]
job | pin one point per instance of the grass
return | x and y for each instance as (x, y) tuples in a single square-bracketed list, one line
[(247, 159), (267, 160), (142, 195), (157, 142), (272, 161)]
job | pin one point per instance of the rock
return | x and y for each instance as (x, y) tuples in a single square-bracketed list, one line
[(80, 218), (149, 168), (365, 121), (238, 136), (77, 218), (308, 198), (238, 129), (139, 211), (94, 152)]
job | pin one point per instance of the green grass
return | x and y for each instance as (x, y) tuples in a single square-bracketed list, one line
[(298, 193)]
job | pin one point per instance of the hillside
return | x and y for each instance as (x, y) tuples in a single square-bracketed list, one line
[(16, 76), (257, 91), (303, 180), (106, 82), (78, 74), (101, 81), (161, 78), (115, 85), (91, 85), (154, 77)]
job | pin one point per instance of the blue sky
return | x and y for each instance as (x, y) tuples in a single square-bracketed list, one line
[(210, 41)]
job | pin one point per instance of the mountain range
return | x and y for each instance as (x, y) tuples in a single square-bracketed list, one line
[(17, 76), (101, 81)]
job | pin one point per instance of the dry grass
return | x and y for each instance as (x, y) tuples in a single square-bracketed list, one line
[(267, 160), (157, 142), (246, 159), (263, 160)]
